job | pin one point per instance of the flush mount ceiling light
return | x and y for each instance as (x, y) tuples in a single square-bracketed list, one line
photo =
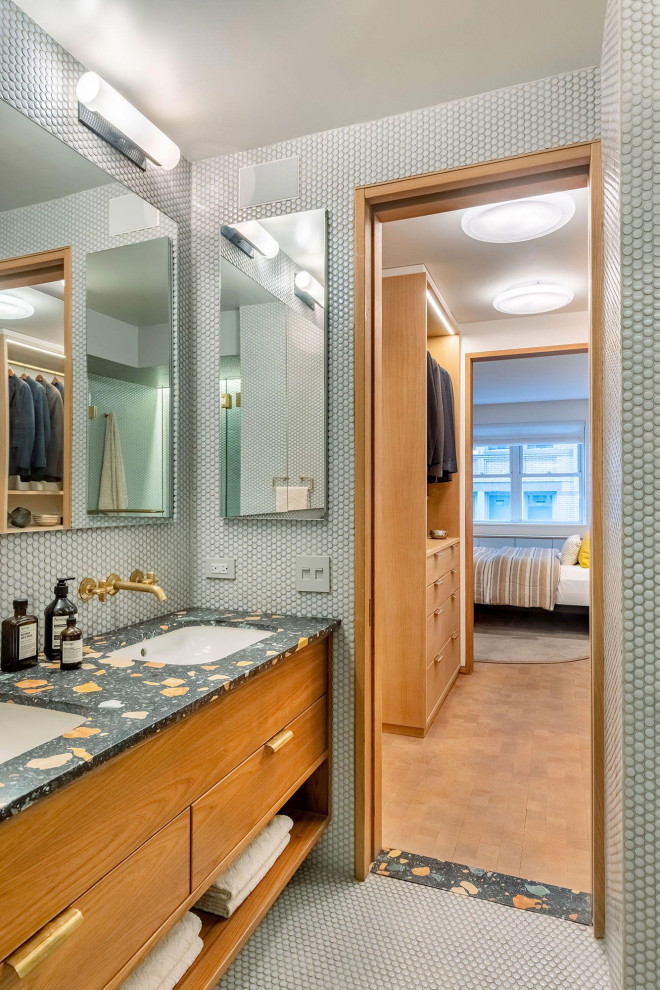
[(533, 297), (250, 236), (13, 307), (108, 114), (518, 219), (307, 288)]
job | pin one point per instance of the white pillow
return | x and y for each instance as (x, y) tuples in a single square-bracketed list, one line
[(570, 550)]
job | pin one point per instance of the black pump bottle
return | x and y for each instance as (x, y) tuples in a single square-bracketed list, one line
[(56, 615)]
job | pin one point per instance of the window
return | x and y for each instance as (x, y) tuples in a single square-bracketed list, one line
[(540, 481)]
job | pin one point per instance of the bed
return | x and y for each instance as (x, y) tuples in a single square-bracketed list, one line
[(527, 577)]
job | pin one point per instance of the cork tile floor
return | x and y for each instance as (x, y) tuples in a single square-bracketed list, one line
[(502, 780)]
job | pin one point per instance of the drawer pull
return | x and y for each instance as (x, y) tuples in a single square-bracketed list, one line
[(439, 553), (453, 570), (281, 739), (454, 635), (439, 582), (438, 611), (28, 956), (454, 595), (439, 658)]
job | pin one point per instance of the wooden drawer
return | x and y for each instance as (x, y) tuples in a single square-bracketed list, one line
[(440, 625), (441, 671), (94, 823), (441, 562), (227, 818), (441, 589), (119, 914)]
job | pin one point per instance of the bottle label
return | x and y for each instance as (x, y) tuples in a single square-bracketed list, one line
[(72, 650), (59, 624), (27, 641)]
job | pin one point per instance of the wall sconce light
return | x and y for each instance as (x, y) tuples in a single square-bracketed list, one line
[(105, 111), (308, 289), (250, 236)]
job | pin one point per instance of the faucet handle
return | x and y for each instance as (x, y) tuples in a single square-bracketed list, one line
[(137, 577), (88, 589)]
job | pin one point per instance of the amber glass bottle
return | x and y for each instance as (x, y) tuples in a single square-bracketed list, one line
[(71, 644), (20, 638)]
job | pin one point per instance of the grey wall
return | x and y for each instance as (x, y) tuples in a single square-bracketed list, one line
[(38, 77), (545, 114)]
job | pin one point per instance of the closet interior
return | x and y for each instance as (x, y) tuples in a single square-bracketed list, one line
[(418, 642), (35, 392)]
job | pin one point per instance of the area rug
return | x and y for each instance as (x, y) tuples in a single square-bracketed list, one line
[(517, 646), (469, 881)]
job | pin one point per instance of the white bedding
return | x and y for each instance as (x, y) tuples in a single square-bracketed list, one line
[(573, 587)]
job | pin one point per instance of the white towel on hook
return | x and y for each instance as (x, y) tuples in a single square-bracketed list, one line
[(170, 959), (230, 889), (281, 499), (113, 494), (298, 497)]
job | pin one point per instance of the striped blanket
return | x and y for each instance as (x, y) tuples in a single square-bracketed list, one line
[(523, 576)]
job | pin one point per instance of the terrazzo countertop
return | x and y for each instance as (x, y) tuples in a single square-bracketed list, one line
[(126, 701)]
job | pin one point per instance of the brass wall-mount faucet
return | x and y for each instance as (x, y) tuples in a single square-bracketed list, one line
[(89, 588)]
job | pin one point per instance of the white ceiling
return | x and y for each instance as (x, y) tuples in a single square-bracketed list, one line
[(36, 167), (532, 379), (222, 75), (47, 321), (470, 273), (131, 283)]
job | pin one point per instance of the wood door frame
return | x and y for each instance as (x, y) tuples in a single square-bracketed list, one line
[(561, 168)]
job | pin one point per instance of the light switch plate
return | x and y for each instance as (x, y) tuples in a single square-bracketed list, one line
[(313, 574), (220, 567)]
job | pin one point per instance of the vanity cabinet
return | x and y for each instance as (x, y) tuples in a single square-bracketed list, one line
[(134, 843)]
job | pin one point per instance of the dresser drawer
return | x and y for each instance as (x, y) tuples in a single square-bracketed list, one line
[(226, 818), (441, 624), (440, 672), (441, 561), (116, 916), (441, 589)]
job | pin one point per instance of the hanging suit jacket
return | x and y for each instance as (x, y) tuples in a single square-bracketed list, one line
[(55, 449), (41, 429), (21, 426)]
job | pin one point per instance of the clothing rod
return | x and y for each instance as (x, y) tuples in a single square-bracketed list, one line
[(34, 367)]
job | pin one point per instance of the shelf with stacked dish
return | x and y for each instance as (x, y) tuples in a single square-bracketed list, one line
[(35, 394)]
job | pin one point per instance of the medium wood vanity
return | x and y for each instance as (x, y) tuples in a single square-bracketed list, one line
[(94, 874)]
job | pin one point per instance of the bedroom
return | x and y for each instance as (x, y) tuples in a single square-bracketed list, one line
[(490, 774)]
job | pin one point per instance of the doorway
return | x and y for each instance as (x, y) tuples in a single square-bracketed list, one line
[(448, 191)]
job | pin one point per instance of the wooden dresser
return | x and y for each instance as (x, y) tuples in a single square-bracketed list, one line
[(443, 616), (92, 876)]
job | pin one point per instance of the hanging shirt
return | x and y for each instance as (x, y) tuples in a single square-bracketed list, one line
[(41, 430), (21, 426), (55, 449)]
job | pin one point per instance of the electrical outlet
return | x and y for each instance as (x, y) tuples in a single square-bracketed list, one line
[(221, 567), (313, 574)]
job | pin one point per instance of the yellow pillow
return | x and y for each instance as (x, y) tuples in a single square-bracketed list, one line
[(584, 554)]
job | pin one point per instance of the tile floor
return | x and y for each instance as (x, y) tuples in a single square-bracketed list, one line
[(502, 780), (328, 933)]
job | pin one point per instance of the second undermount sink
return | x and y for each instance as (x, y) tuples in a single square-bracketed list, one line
[(192, 645), (24, 727)]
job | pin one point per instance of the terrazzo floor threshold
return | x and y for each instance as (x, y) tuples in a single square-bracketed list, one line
[(499, 888)]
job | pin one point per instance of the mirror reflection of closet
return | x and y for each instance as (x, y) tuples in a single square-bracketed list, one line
[(35, 391)]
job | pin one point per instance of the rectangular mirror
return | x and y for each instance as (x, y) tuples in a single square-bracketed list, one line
[(273, 367), (129, 379), (87, 322)]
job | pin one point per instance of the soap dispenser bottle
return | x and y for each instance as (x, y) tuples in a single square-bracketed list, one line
[(56, 615), (20, 636), (71, 642)]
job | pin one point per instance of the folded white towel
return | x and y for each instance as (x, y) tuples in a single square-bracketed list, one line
[(234, 885), (281, 499), (181, 944), (297, 497), (216, 902)]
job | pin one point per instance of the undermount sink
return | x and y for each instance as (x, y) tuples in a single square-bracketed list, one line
[(192, 645), (24, 727)]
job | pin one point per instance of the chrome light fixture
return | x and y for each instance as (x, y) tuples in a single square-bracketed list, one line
[(518, 219), (12, 307), (307, 289), (113, 118), (250, 236), (529, 298)]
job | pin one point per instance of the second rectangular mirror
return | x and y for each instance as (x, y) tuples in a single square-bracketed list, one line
[(272, 367)]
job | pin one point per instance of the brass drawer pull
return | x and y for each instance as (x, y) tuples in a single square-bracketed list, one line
[(439, 658), (454, 635), (438, 611), (454, 595), (281, 739), (439, 582), (28, 956), (453, 570)]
